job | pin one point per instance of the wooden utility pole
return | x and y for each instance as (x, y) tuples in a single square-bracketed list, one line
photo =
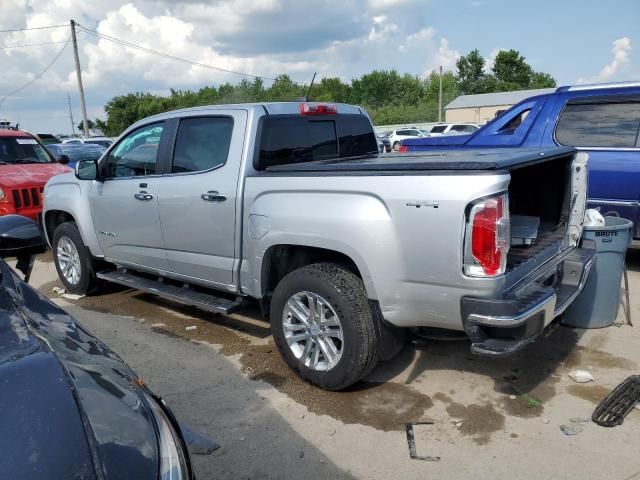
[(440, 97), (73, 127), (85, 123)]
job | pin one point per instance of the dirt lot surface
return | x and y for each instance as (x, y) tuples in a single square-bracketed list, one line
[(493, 419)]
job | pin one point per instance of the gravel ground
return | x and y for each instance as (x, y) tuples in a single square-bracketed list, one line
[(491, 419)]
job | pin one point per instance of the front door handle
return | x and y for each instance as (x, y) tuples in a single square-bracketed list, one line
[(144, 196), (213, 196)]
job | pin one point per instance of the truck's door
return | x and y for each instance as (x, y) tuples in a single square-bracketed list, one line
[(125, 205), (607, 126), (197, 196)]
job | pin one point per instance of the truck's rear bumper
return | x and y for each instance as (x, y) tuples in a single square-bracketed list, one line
[(505, 324)]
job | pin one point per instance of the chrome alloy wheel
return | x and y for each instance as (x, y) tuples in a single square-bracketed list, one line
[(68, 260), (313, 331)]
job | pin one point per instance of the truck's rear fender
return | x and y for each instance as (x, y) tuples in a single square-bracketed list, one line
[(317, 226), (67, 199)]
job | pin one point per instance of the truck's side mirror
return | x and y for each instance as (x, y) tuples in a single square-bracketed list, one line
[(22, 238), (87, 170), (64, 159)]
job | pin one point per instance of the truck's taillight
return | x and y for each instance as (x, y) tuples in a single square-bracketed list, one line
[(318, 109), (488, 237), (403, 149)]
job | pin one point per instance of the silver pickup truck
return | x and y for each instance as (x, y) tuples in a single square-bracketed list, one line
[(290, 204)]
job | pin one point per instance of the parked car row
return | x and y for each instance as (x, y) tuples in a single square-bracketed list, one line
[(102, 141), (395, 137), (76, 151)]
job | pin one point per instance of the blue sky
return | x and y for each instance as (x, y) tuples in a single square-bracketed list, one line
[(575, 41), (568, 38)]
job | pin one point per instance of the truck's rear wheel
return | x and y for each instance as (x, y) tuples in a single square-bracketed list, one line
[(322, 324), (72, 259)]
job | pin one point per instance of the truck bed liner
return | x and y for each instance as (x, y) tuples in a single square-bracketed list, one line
[(477, 159)]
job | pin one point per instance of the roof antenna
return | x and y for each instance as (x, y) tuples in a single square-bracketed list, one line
[(310, 85)]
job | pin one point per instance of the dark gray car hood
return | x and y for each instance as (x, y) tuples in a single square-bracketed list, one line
[(69, 406)]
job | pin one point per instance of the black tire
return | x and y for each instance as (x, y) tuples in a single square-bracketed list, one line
[(87, 281), (346, 294)]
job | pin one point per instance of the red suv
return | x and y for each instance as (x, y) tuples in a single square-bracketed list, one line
[(25, 166)]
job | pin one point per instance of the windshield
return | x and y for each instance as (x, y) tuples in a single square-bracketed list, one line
[(16, 150)]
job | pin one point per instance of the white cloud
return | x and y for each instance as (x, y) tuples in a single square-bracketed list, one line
[(266, 37), (381, 28), (491, 59), (446, 56), (417, 39), (621, 57)]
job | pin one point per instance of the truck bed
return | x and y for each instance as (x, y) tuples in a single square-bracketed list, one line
[(448, 160)]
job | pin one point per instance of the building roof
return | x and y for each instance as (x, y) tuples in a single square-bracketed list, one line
[(494, 99)]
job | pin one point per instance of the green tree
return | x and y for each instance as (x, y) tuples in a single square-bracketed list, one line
[(388, 96), (101, 125), (470, 72), (284, 89), (331, 89), (90, 125), (377, 88), (450, 87), (542, 80), (511, 70)]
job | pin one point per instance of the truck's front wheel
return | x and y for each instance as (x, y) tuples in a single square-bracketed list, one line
[(72, 259), (322, 324)]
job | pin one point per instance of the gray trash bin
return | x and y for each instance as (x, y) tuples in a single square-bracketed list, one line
[(597, 305)]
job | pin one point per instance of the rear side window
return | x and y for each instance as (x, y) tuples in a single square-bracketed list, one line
[(438, 129), (202, 144), (599, 124), (288, 139)]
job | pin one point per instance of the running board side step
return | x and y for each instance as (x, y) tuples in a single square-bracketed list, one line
[(187, 296)]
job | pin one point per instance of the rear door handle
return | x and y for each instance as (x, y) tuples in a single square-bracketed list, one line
[(213, 196), (143, 196)]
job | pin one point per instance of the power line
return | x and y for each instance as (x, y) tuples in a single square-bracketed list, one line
[(31, 45), (32, 28), (38, 75), (166, 55)]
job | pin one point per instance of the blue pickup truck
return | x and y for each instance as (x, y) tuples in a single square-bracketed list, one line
[(603, 120)]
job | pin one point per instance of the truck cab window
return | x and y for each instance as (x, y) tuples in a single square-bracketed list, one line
[(293, 138), (202, 144), (136, 154), (599, 124)]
